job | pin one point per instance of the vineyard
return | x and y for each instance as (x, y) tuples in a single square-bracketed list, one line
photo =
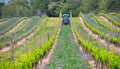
[(40, 42)]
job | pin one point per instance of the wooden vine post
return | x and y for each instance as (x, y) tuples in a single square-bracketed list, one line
[(40, 42), (92, 41), (26, 43), (53, 33), (88, 38), (108, 48), (4, 38), (48, 36), (98, 63), (98, 43), (38, 65), (108, 45), (12, 51), (35, 43)]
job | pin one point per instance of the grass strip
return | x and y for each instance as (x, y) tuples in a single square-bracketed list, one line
[(67, 54)]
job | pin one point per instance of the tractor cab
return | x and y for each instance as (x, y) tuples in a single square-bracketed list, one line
[(65, 19)]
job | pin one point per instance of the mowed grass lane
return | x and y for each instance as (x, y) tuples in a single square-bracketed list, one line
[(67, 54)]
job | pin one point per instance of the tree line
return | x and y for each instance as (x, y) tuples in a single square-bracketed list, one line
[(53, 7)]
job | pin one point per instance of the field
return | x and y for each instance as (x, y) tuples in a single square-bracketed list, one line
[(89, 42)]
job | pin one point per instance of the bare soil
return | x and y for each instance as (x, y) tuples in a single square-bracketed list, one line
[(22, 40), (108, 22), (102, 41)]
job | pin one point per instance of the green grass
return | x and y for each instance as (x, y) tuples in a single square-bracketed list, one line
[(49, 22), (115, 17), (100, 30), (21, 33), (104, 24), (110, 19), (5, 57), (67, 54), (116, 14), (104, 56), (11, 24), (81, 30)]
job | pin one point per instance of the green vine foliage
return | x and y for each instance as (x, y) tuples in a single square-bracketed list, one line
[(111, 38), (104, 56), (110, 19), (27, 61), (113, 13), (104, 24)]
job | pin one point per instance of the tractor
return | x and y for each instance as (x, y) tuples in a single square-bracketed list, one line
[(65, 19)]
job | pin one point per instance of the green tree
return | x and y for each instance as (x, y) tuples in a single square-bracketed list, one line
[(53, 7), (114, 5), (1, 5), (40, 5), (15, 8)]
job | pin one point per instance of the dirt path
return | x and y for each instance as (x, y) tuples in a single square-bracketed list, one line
[(22, 40), (14, 28), (108, 22), (91, 61), (102, 41), (48, 56)]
